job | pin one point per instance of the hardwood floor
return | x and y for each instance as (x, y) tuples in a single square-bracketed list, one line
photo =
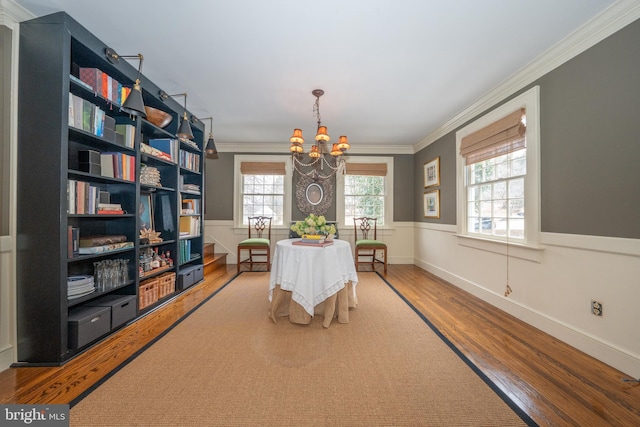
[(552, 382)]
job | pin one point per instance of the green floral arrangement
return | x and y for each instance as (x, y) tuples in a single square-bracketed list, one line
[(314, 224)]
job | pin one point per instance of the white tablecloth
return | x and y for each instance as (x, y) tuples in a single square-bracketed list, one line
[(312, 274)]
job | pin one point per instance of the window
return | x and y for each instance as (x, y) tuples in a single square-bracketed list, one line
[(363, 196), (365, 190), (263, 195), (498, 183), (263, 188)]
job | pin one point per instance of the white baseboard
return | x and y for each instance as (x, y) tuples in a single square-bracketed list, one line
[(6, 358), (597, 348)]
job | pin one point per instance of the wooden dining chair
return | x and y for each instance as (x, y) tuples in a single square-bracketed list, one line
[(367, 243), (258, 243)]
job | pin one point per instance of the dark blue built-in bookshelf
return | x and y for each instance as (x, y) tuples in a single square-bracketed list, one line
[(81, 160)]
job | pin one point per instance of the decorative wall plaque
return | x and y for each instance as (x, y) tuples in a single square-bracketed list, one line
[(313, 196)]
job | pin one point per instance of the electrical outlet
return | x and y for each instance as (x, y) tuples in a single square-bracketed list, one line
[(596, 308)]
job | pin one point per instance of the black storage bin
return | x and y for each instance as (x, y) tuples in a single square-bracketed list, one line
[(123, 308), (198, 273), (189, 276), (185, 278), (87, 324)]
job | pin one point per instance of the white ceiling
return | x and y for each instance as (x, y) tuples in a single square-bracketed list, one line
[(393, 71)]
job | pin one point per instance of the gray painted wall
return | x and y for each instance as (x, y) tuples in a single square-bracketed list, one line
[(219, 189), (590, 150), (589, 144)]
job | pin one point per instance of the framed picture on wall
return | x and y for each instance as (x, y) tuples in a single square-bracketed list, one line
[(432, 173), (431, 204)]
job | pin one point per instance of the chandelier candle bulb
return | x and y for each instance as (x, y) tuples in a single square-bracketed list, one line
[(322, 134), (315, 153), (297, 137), (343, 143)]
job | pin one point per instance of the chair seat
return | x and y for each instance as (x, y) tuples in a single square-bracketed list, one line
[(256, 241), (368, 242)]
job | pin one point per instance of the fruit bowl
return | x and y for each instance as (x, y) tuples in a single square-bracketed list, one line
[(158, 117)]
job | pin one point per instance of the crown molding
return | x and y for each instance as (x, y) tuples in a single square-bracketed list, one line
[(11, 13), (227, 147), (611, 20)]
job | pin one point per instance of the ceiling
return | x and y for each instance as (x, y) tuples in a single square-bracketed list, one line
[(393, 71)]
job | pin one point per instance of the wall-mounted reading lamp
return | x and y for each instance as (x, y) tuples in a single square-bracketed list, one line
[(184, 131), (210, 148), (134, 103)]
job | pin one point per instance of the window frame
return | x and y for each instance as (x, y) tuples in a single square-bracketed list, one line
[(530, 100), (388, 190), (237, 188)]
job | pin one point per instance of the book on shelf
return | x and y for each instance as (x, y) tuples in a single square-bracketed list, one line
[(166, 145), (71, 196), (110, 206), (190, 161), (103, 84), (106, 165), (147, 149), (128, 132), (190, 207), (89, 241), (189, 226), (122, 166), (184, 251), (110, 212), (73, 241), (85, 115), (104, 248), (92, 77), (82, 197)]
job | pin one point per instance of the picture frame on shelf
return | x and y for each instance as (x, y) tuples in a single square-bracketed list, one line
[(431, 204), (145, 212), (432, 173)]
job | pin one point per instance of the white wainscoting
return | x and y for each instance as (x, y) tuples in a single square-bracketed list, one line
[(7, 303), (553, 293), (398, 237)]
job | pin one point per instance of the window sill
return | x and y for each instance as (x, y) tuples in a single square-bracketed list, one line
[(516, 250)]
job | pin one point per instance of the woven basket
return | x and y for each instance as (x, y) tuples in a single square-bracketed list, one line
[(166, 284)]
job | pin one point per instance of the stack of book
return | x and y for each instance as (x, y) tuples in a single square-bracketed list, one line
[(98, 244), (110, 209), (313, 240)]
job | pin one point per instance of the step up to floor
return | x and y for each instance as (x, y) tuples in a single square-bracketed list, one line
[(212, 260)]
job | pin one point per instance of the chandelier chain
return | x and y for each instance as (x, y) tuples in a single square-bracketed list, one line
[(316, 110)]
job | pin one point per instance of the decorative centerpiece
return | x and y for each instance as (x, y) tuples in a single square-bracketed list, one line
[(149, 236), (314, 225)]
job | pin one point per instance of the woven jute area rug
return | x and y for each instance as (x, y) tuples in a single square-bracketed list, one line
[(228, 364)]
